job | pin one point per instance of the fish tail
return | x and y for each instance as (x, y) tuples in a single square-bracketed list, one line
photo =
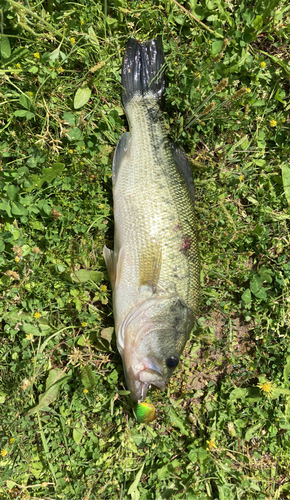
[(143, 69)]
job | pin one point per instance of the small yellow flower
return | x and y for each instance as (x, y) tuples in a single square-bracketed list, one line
[(241, 177), (36, 55), (83, 148), (84, 323), (273, 123), (70, 151), (85, 391), (264, 340), (37, 315), (18, 66), (103, 288), (3, 453), (29, 336), (266, 388), (263, 64), (30, 93), (225, 307), (211, 444), (72, 40), (101, 206), (248, 90), (12, 440), (16, 259), (81, 163), (197, 75), (82, 22), (251, 368), (60, 69)]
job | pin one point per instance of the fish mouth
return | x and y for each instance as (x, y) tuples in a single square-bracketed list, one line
[(139, 385)]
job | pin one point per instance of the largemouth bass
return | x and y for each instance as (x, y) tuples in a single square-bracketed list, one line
[(154, 268)]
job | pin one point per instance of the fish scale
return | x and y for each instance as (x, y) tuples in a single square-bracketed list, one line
[(154, 268)]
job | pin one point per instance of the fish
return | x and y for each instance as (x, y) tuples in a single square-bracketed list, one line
[(154, 268)]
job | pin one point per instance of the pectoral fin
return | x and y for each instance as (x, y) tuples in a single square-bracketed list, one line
[(120, 153), (150, 266), (114, 263)]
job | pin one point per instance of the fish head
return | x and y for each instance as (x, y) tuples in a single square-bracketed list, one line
[(154, 338)]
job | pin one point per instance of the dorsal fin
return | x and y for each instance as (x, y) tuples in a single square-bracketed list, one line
[(183, 166), (120, 153)]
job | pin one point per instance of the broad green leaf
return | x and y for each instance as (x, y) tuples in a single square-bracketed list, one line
[(84, 275), (6, 207), (252, 431), (258, 23), (216, 47), (53, 382), (25, 101), (238, 393), (20, 112), (12, 191), (50, 173), (18, 209), (5, 47), (176, 421), (256, 284), (75, 134), (29, 115), (247, 297), (78, 433), (82, 97), (69, 118), (88, 378), (286, 181), (107, 334), (133, 490)]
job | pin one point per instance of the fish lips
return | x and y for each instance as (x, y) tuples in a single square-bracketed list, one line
[(145, 378)]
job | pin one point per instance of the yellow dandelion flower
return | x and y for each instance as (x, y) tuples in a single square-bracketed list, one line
[(84, 323), (37, 315), (264, 340), (29, 336), (36, 55), (266, 388), (273, 123), (72, 40), (263, 64), (60, 69), (85, 391), (251, 368), (248, 89), (211, 444), (70, 151), (82, 22), (241, 177), (12, 440), (103, 288), (18, 66), (16, 259), (3, 453)]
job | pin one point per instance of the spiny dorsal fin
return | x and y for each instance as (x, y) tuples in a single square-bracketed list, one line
[(184, 168)]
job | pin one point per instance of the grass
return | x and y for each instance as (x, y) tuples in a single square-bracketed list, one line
[(68, 429)]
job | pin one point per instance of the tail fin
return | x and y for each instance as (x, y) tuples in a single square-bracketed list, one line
[(142, 69)]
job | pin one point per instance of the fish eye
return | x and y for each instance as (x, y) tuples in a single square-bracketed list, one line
[(172, 362)]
